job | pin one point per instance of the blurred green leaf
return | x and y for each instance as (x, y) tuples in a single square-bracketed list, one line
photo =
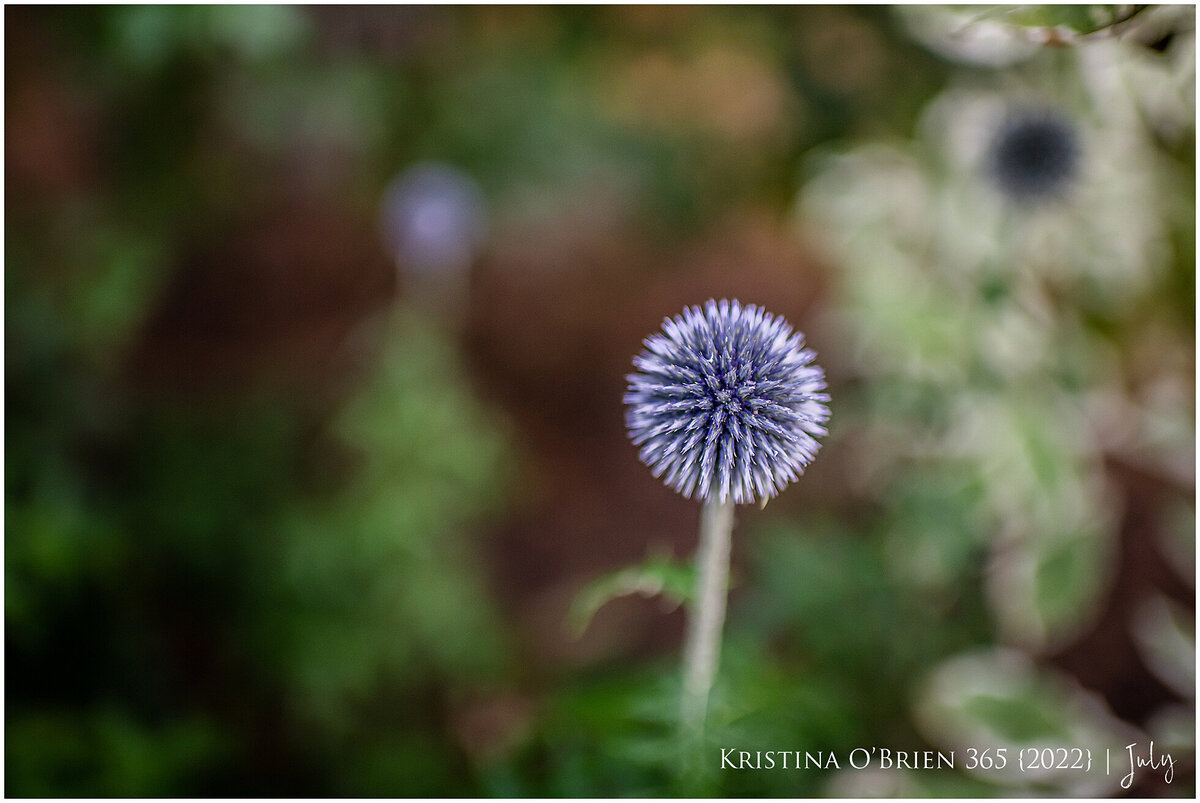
[(1081, 18), (106, 753), (655, 577), (996, 698)]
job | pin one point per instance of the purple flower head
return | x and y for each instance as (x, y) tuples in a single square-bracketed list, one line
[(434, 219), (727, 403), (1034, 155)]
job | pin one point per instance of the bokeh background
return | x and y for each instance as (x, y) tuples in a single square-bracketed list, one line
[(316, 327)]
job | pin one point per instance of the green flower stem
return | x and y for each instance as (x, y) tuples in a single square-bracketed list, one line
[(702, 647)]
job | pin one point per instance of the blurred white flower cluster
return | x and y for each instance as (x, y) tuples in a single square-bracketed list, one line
[(1019, 322)]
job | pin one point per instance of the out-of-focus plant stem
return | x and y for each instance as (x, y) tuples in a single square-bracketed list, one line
[(702, 647)]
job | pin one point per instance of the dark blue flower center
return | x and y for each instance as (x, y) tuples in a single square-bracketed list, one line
[(1035, 156), (729, 400)]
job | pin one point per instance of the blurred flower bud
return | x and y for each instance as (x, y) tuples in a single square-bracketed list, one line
[(434, 219)]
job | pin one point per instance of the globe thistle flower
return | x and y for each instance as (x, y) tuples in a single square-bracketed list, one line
[(727, 403), (1034, 155), (434, 219)]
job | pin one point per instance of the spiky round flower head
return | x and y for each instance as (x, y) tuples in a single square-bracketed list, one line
[(1034, 155), (727, 403)]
